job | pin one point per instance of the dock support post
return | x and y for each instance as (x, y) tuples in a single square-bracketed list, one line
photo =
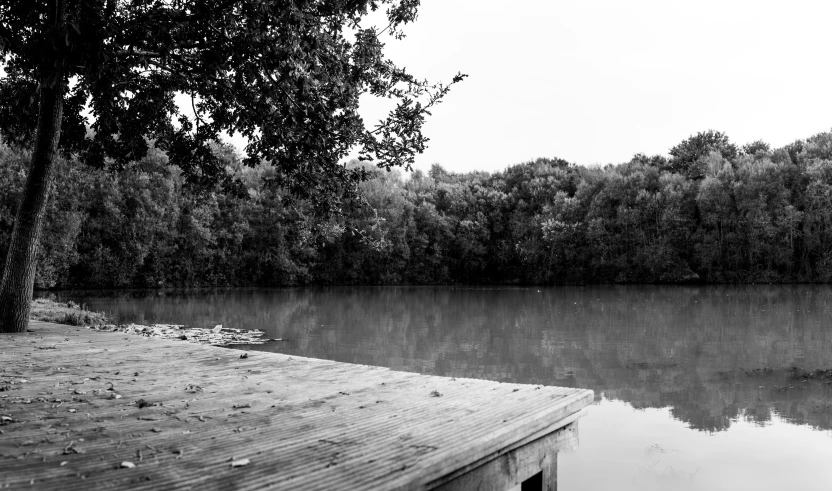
[(531, 467), (545, 480)]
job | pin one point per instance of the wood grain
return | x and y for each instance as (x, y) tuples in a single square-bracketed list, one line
[(82, 402)]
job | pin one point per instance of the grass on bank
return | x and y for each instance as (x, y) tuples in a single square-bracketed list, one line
[(47, 310), (44, 309)]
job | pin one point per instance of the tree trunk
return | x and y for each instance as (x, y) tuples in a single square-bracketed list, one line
[(19, 273)]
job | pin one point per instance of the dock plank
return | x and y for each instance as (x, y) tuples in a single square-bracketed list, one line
[(71, 398)]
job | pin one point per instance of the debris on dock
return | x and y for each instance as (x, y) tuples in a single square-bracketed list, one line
[(218, 336)]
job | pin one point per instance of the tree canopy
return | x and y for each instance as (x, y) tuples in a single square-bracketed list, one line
[(287, 75), (99, 79), (687, 157)]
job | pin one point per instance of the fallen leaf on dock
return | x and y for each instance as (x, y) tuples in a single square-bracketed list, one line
[(127, 465), (241, 406), (244, 355), (240, 463), (435, 394)]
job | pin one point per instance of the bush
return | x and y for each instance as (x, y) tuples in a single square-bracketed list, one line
[(44, 309)]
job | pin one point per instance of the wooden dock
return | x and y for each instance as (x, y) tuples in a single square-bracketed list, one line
[(81, 409)]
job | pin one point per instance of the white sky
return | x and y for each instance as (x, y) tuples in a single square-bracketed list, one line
[(596, 81)]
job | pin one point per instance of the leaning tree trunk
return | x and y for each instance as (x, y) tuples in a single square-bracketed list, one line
[(19, 274)]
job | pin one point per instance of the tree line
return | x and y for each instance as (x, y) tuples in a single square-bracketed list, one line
[(711, 211)]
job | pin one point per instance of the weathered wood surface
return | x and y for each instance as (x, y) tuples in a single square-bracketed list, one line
[(70, 407), (536, 459)]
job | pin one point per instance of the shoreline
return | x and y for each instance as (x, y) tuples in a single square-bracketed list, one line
[(73, 314)]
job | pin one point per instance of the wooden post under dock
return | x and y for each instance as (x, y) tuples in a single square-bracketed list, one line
[(82, 409)]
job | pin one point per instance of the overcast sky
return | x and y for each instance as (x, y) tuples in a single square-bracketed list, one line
[(596, 81)]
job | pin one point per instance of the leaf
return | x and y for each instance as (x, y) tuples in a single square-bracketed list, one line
[(240, 463), (244, 355), (127, 465), (241, 406)]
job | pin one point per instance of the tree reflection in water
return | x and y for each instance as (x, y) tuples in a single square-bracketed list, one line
[(712, 354)]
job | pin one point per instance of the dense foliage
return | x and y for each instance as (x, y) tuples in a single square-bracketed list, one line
[(287, 75), (722, 214), (99, 80)]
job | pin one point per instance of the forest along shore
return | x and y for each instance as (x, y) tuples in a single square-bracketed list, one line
[(711, 211), (72, 314)]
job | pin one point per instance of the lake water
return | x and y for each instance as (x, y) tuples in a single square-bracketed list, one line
[(695, 386)]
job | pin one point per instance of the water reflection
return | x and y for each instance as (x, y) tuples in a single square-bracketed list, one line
[(713, 355), (695, 385), (647, 450)]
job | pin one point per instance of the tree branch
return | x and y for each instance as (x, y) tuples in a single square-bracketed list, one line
[(142, 53), (197, 117), (7, 43)]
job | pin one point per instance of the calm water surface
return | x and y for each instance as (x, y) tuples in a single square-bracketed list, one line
[(694, 385)]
